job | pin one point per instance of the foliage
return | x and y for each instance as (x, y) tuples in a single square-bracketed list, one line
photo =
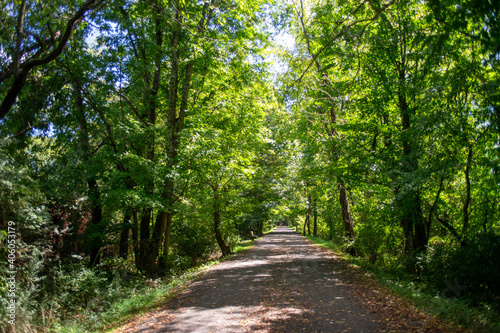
[(389, 101), (446, 304), (464, 271), (193, 240)]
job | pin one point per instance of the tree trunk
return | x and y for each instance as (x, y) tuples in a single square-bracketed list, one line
[(95, 233), (466, 205), (331, 222), (144, 236), (217, 221), (160, 240), (149, 242), (260, 228), (135, 237), (346, 212), (161, 235), (124, 235), (315, 217), (305, 224), (308, 217), (168, 233), (412, 220)]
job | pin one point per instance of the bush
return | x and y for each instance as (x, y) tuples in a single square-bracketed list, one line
[(194, 240), (472, 270), (379, 244), (175, 264)]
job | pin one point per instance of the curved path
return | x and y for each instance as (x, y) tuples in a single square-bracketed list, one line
[(282, 284)]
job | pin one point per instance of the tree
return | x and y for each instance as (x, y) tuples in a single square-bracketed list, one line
[(385, 74), (41, 34), (224, 145)]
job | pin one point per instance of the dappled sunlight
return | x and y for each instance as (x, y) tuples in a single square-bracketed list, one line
[(241, 264), (235, 318), (282, 284)]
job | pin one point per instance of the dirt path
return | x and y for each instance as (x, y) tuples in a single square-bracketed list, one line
[(283, 284)]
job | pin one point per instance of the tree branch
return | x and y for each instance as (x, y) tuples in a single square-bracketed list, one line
[(25, 68), (337, 35)]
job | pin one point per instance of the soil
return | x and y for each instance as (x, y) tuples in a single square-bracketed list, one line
[(285, 284)]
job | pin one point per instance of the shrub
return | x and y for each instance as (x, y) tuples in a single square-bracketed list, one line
[(472, 270), (193, 239), (378, 243)]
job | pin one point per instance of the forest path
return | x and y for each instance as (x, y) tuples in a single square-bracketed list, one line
[(282, 284)]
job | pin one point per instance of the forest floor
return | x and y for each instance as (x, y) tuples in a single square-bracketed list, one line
[(285, 284)]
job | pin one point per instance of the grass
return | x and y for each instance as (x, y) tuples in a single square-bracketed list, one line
[(246, 244), (454, 310), (242, 246), (270, 230)]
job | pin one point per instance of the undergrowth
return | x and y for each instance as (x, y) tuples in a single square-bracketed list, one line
[(139, 300), (242, 246)]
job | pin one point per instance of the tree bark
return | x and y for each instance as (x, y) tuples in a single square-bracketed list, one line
[(305, 224), (346, 211), (465, 208), (160, 238), (260, 228), (150, 243), (144, 236), (175, 124), (315, 217), (308, 214), (412, 220), (217, 221), (168, 233), (309, 224), (135, 237)]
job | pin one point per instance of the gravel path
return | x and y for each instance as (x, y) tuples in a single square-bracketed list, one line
[(282, 284)]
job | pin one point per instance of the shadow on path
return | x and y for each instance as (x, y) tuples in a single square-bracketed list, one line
[(282, 284)]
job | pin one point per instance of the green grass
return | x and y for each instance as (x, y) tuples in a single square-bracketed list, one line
[(270, 230), (242, 246), (454, 310), (246, 244)]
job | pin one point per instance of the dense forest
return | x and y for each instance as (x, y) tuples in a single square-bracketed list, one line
[(141, 137)]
